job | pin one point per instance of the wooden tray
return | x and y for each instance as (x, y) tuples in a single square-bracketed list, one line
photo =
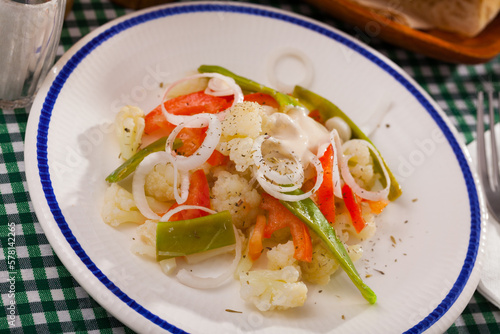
[(434, 43)]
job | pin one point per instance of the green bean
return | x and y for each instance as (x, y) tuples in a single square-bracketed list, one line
[(310, 214), (251, 86), (131, 164), (190, 236)]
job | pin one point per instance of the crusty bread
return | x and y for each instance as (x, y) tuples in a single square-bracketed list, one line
[(466, 17)]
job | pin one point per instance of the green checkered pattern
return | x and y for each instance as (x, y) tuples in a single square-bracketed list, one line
[(47, 299)]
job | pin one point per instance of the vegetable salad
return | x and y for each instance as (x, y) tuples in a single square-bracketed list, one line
[(286, 184)]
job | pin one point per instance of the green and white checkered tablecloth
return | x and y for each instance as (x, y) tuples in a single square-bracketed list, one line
[(48, 299)]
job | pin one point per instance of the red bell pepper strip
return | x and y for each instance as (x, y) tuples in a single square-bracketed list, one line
[(189, 104), (315, 114), (262, 99), (155, 121), (199, 194), (191, 139), (377, 206), (301, 239), (353, 205), (255, 243), (276, 217), (324, 195), (279, 217), (217, 159)]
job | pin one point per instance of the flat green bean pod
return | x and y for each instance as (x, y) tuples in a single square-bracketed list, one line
[(185, 237), (251, 86), (310, 214)]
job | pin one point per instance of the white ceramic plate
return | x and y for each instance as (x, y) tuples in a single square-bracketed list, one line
[(423, 280), (489, 285)]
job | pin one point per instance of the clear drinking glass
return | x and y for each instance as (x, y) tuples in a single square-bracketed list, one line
[(30, 31)]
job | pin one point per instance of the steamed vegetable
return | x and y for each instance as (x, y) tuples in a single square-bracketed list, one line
[(240, 161), (184, 237), (190, 104), (251, 86), (325, 195), (353, 205), (129, 166), (279, 217), (328, 110), (309, 213), (129, 129), (198, 195)]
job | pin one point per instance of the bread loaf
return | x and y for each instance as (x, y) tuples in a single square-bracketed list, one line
[(466, 17)]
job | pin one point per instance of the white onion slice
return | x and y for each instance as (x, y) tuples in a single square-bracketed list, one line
[(206, 148), (139, 181), (168, 265), (182, 197), (349, 180), (177, 119), (180, 208), (265, 184), (218, 87), (271, 186), (200, 257), (188, 278), (296, 177)]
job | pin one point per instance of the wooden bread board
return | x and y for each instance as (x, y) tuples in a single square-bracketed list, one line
[(434, 43)]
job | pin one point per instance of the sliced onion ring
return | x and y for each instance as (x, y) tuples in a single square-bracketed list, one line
[(218, 87), (274, 183), (270, 173), (206, 148), (139, 181), (349, 180), (177, 119), (188, 278), (182, 197), (200, 257), (271, 186), (180, 208), (267, 186)]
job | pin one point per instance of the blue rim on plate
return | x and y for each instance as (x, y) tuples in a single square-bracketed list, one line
[(74, 61)]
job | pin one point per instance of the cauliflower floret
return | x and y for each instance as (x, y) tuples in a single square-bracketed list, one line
[(361, 164), (281, 256), (240, 152), (355, 252), (345, 230), (343, 225), (129, 129), (233, 192), (370, 227), (119, 207), (322, 266), (273, 289), (160, 183), (145, 241), (241, 125), (242, 120)]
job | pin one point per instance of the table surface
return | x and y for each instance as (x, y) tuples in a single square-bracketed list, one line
[(49, 300)]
